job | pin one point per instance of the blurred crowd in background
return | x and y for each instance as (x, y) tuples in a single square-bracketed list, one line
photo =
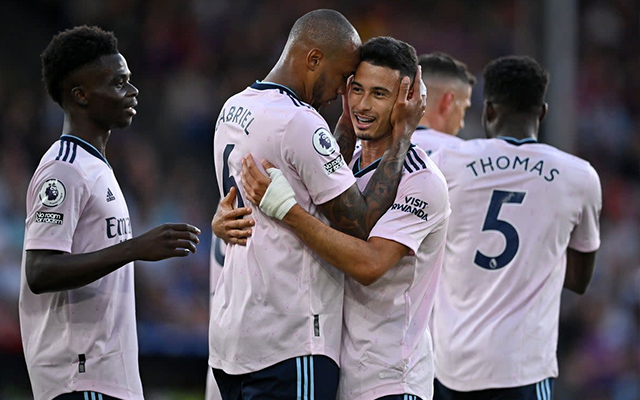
[(188, 56)]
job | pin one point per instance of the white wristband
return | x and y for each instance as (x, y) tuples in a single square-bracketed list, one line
[(279, 197)]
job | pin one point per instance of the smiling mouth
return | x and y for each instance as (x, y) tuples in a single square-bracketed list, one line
[(363, 122)]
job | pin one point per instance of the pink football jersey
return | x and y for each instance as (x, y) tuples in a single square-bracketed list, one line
[(85, 338), (275, 298), (516, 205), (431, 140), (386, 343)]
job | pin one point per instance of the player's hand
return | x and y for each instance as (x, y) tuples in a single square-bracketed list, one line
[(272, 193), (409, 107), (166, 241), (228, 223), (345, 118)]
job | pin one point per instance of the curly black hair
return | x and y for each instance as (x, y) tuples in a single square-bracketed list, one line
[(443, 65), (385, 51), (516, 81), (70, 50)]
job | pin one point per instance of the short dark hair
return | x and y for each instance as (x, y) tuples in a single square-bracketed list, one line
[(326, 28), (70, 50), (385, 51), (443, 65), (518, 82)]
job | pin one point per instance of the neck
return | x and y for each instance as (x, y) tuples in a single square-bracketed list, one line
[(284, 74), (518, 129), (432, 122), (89, 132), (374, 149)]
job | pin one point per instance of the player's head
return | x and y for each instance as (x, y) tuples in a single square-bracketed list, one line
[(326, 47), (84, 72), (449, 85), (514, 90), (376, 83)]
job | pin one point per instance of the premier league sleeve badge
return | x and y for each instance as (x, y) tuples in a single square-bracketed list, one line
[(52, 192)]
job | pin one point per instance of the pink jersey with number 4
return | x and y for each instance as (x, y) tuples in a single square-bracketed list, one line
[(82, 339), (275, 298), (386, 344), (516, 206)]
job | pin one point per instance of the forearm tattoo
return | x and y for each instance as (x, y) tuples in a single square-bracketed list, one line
[(356, 213)]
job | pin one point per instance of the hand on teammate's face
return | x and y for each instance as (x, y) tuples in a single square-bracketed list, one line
[(409, 108)]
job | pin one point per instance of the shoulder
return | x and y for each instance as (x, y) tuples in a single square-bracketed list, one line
[(422, 174)]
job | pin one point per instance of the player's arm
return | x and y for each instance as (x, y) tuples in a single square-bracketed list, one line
[(344, 133), (585, 236), (53, 271), (364, 260), (580, 267), (354, 212)]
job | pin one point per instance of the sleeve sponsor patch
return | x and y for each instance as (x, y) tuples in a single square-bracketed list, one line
[(49, 218), (333, 165), (413, 206), (52, 192), (324, 142)]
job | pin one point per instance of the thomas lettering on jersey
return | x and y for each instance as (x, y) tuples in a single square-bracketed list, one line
[(236, 115), (414, 206), (118, 226), (485, 165)]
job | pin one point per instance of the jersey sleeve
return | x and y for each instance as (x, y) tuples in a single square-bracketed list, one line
[(586, 234), (421, 207), (311, 150), (57, 195)]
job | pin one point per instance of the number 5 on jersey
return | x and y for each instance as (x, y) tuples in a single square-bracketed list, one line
[(492, 223)]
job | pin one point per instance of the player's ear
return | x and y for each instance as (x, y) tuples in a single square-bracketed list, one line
[(489, 111), (314, 56), (79, 96), (445, 102), (543, 111)]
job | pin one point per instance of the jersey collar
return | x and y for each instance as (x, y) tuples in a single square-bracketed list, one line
[(517, 142), (357, 172), (268, 85), (85, 145)]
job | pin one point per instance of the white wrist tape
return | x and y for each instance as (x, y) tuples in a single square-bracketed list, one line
[(279, 197), (423, 88)]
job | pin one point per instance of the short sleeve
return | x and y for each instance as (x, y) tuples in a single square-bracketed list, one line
[(311, 150), (421, 207), (586, 234), (56, 197)]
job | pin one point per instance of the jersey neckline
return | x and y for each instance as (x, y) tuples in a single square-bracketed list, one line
[(85, 145), (258, 85), (517, 142)]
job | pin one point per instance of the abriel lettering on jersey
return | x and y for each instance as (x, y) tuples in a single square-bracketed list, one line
[(49, 218), (237, 115), (118, 226), (502, 163), (414, 206)]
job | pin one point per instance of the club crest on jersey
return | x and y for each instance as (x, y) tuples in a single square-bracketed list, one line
[(323, 142), (52, 192)]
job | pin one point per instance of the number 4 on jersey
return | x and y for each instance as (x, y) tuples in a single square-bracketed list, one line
[(492, 223), (228, 181)]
